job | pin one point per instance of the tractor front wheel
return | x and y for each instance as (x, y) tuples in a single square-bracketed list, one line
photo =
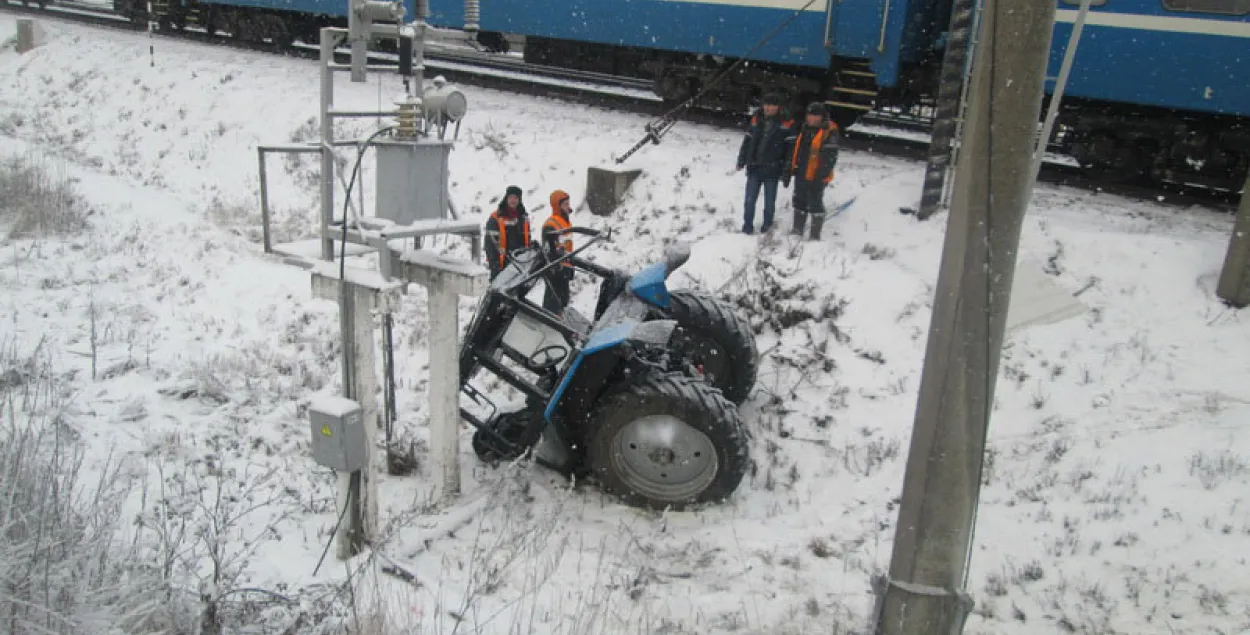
[(512, 426), (667, 441)]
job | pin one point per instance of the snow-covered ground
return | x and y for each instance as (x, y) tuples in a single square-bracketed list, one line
[(1116, 482)]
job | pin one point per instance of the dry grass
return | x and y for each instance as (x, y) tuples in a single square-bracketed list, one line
[(38, 199), (65, 566)]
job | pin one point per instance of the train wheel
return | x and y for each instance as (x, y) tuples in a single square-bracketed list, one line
[(208, 21), (493, 41), (1106, 157)]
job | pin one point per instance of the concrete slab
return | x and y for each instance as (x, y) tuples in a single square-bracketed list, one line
[(433, 270), (1037, 298), (30, 35), (606, 186), (311, 249)]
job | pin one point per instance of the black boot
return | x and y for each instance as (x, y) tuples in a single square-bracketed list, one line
[(800, 221), (818, 223)]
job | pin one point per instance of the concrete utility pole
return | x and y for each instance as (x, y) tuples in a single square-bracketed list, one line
[(1234, 286), (924, 593)]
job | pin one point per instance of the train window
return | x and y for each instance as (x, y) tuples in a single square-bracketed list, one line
[(1093, 3), (1222, 7)]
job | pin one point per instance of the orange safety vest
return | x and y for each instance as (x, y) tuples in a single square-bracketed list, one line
[(557, 223), (813, 158), (503, 236)]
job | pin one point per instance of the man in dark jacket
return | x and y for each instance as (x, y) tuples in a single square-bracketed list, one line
[(763, 153), (811, 165), (507, 230)]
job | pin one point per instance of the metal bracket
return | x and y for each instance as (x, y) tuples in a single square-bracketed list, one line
[(881, 584)]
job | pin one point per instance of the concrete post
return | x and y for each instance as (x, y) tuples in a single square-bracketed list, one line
[(924, 592), (444, 393), (365, 292), (445, 280), (950, 89), (1234, 285), (30, 35)]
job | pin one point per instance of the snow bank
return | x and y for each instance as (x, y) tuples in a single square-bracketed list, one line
[(1116, 453)]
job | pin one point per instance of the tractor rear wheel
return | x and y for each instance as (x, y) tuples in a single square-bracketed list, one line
[(716, 341), (667, 441)]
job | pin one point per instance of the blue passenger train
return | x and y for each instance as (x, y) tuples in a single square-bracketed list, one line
[(1159, 88)]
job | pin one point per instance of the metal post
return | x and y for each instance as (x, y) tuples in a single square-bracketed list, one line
[(924, 593), (1234, 285), (1052, 112), (418, 49), (444, 390), (264, 201), (329, 39), (389, 411)]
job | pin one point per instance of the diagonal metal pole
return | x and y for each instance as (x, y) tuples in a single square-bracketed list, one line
[(1234, 284), (1052, 112), (924, 593)]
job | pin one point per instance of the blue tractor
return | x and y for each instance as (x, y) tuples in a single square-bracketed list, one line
[(643, 399)]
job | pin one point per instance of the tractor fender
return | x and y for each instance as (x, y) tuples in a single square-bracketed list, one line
[(590, 369), (650, 284)]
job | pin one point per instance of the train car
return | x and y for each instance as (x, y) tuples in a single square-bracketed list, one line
[(1158, 88), (856, 55)]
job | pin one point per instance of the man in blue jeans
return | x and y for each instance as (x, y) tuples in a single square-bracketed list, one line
[(768, 143)]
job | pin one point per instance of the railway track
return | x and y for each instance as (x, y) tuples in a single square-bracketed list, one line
[(880, 134)]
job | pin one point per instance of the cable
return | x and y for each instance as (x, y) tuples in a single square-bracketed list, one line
[(657, 129), (347, 504), (987, 406), (343, 297), (347, 198)]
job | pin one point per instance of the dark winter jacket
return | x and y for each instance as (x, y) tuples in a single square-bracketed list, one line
[(767, 145), (815, 153), (507, 230)]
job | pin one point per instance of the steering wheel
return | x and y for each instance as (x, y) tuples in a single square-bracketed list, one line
[(549, 358)]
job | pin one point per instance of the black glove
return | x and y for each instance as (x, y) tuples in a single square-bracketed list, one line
[(785, 181)]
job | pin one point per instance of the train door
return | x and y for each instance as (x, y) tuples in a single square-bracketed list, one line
[(850, 37)]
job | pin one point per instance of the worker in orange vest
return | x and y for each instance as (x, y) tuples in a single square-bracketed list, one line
[(556, 245), (507, 230), (815, 154)]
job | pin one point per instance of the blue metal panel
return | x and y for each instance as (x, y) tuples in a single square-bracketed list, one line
[(649, 285), (1135, 52), (599, 340), (711, 27)]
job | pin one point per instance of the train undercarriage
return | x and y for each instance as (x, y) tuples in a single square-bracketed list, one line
[(1125, 144)]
